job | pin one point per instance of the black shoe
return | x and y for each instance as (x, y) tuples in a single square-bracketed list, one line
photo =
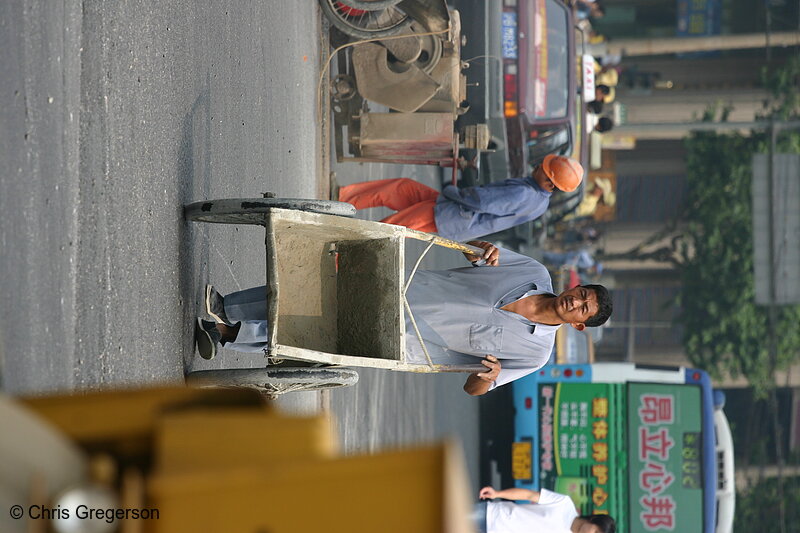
[(215, 307), (207, 337)]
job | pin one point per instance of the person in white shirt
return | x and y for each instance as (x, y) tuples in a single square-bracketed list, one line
[(547, 512)]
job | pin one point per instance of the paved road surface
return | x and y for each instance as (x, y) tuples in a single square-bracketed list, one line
[(116, 114)]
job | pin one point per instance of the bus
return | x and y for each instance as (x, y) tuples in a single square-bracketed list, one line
[(649, 445)]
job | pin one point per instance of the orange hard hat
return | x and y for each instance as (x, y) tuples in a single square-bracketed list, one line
[(565, 173)]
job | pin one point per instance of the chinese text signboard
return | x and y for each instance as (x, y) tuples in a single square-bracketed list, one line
[(576, 444), (699, 17), (540, 49), (664, 451)]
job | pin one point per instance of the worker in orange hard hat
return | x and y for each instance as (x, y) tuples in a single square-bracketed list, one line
[(471, 212), (566, 174)]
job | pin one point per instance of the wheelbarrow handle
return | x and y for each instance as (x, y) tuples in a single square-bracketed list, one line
[(471, 369), (447, 243)]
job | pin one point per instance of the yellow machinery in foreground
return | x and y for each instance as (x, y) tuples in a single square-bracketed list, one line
[(217, 460)]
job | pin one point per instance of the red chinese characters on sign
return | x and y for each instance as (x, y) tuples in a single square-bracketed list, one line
[(657, 409), (656, 412), (655, 478), (657, 443), (659, 512)]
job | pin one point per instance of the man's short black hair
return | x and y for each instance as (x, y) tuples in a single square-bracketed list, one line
[(604, 124), (604, 306), (603, 88), (603, 521), (595, 106)]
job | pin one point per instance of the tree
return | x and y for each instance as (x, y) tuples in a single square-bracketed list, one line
[(758, 509), (724, 328), (711, 245)]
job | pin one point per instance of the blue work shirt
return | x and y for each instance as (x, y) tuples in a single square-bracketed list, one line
[(464, 214), (460, 319)]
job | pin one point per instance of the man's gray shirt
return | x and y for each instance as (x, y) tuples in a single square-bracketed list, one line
[(459, 316)]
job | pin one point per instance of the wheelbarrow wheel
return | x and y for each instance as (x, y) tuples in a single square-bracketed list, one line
[(275, 381), (371, 21), (370, 4), (252, 210)]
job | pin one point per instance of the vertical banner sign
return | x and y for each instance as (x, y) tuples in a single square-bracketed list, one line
[(540, 48), (664, 443), (587, 71)]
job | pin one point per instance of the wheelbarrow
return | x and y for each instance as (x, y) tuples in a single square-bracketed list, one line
[(337, 294)]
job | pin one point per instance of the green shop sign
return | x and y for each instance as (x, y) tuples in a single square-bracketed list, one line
[(579, 445), (664, 439), (628, 450)]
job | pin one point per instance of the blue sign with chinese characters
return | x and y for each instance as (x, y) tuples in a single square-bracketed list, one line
[(699, 17)]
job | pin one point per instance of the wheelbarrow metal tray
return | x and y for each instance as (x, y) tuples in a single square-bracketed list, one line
[(426, 136), (333, 315)]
